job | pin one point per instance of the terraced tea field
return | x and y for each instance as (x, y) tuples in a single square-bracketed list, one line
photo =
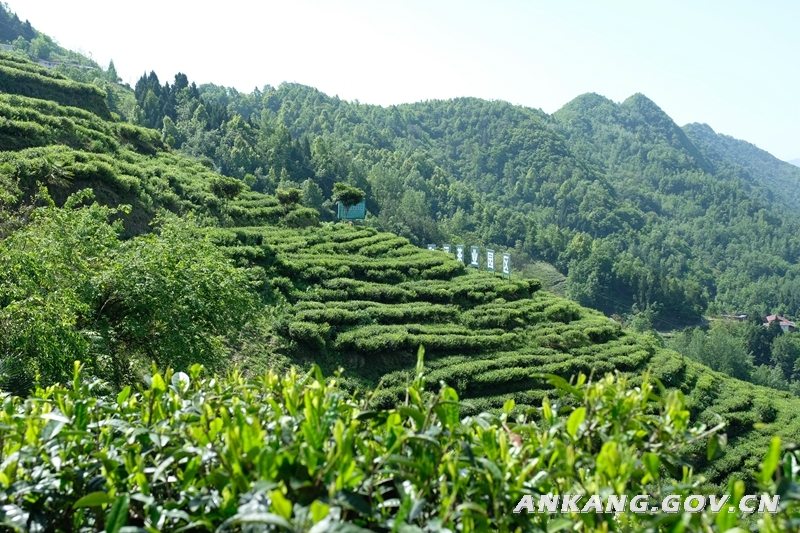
[(367, 300), (363, 300)]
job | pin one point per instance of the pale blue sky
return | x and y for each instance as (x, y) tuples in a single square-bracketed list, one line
[(732, 64)]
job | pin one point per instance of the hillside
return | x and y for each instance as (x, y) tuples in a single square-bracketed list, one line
[(723, 224), (623, 202), (365, 300), (781, 177), (636, 215), (300, 292)]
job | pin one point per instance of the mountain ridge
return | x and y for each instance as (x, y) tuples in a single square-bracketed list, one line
[(781, 177)]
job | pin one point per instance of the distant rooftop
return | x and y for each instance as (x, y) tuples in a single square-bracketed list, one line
[(782, 321)]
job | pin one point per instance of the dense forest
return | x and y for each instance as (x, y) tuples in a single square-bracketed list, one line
[(637, 213), (190, 341)]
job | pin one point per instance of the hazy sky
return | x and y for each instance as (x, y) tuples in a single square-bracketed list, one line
[(732, 64)]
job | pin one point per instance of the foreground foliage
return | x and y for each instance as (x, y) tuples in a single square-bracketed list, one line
[(70, 288), (295, 453)]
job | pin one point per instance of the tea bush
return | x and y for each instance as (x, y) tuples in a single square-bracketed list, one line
[(296, 453)]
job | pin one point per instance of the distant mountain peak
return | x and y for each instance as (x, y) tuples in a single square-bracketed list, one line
[(591, 99), (639, 99), (697, 127), (795, 162), (586, 103), (648, 109)]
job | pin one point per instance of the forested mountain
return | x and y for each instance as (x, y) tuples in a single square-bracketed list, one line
[(12, 28), (714, 222), (781, 177), (638, 213)]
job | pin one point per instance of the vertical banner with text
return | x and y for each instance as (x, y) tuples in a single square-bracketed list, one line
[(490, 260), (460, 252), (473, 256), (507, 265)]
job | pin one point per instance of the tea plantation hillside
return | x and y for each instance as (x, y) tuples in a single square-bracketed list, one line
[(365, 300), (69, 148), (331, 294)]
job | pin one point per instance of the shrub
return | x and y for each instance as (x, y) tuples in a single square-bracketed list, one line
[(288, 197), (302, 218), (39, 83), (309, 333), (765, 410), (294, 452)]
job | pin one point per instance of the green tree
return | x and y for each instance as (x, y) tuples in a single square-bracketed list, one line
[(414, 220), (70, 289), (312, 195), (111, 73), (173, 298), (785, 354), (170, 134), (347, 194), (46, 286), (226, 188), (725, 351), (41, 47), (769, 376), (758, 339)]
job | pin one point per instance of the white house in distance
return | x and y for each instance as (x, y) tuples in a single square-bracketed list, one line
[(786, 324)]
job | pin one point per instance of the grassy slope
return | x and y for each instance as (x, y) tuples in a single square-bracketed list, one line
[(353, 297)]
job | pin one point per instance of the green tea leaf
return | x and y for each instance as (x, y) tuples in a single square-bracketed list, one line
[(559, 524), (157, 384), (123, 395), (653, 465), (319, 510), (574, 421), (508, 406), (771, 460), (117, 516), (93, 499), (255, 518), (280, 504)]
